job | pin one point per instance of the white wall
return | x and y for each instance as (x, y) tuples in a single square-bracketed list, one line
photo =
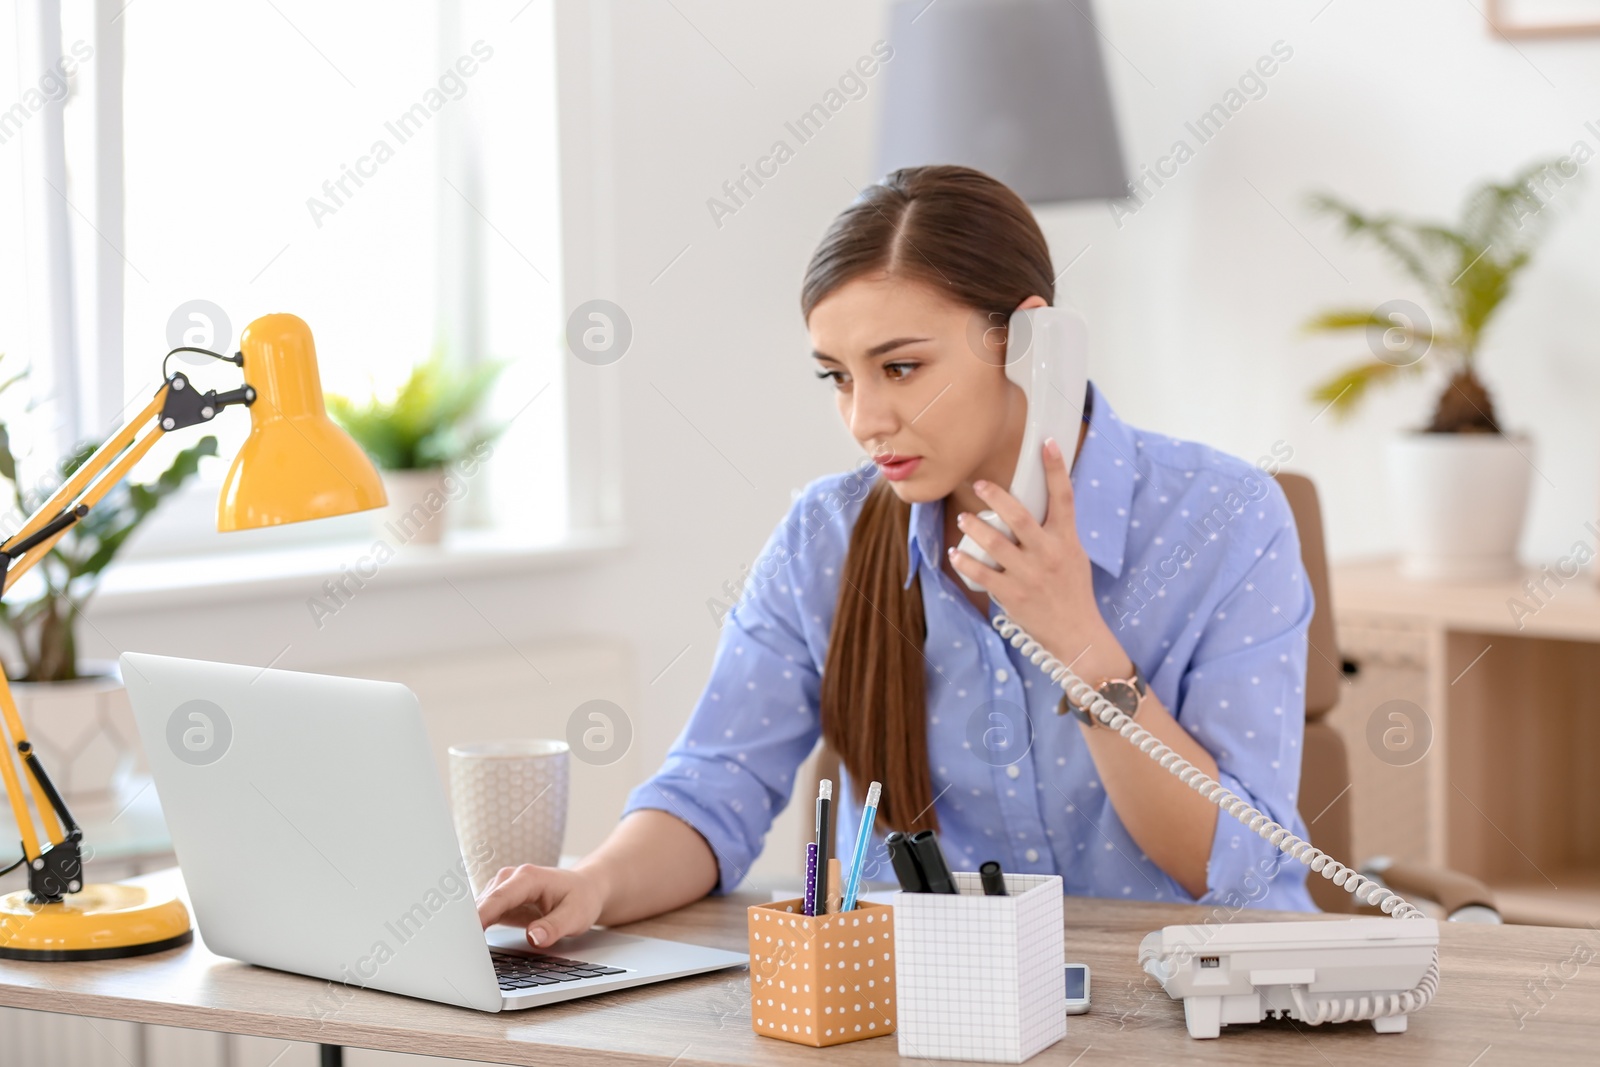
[(1193, 303), (1196, 300)]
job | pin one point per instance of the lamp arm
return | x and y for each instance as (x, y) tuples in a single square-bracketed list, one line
[(100, 473), (74, 485), (13, 549), (54, 866)]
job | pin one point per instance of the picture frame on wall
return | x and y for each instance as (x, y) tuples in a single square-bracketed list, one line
[(1543, 18)]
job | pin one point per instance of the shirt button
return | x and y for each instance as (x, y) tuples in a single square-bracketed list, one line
[(1001, 675), (1012, 771), (1032, 855)]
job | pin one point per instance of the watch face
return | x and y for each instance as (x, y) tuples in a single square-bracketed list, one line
[(1123, 695)]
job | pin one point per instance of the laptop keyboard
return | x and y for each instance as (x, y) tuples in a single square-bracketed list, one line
[(518, 971)]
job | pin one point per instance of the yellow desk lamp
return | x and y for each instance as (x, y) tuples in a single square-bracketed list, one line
[(295, 465)]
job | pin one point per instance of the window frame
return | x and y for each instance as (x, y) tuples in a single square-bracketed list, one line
[(84, 336)]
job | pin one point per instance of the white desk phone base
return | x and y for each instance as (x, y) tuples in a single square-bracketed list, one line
[(1317, 972)]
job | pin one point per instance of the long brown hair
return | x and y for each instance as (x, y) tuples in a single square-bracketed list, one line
[(969, 236)]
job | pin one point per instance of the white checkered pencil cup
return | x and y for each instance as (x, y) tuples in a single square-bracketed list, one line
[(980, 977)]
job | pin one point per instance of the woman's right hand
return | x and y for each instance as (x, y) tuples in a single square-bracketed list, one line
[(548, 902)]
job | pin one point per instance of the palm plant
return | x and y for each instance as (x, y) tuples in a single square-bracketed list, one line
[(429, 423), (1466, 273)]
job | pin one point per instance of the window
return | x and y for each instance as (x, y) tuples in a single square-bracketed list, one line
[(388, 172)]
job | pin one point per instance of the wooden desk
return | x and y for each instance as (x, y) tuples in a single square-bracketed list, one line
[(1508, 685), (706, 1019)]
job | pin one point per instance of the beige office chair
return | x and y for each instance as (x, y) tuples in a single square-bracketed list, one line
[(1325, 764)]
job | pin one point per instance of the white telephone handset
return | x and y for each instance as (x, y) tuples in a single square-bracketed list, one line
[(1047, 357), (1361, 969)]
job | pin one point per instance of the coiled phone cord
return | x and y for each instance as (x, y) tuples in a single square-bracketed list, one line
[(1353, 882)]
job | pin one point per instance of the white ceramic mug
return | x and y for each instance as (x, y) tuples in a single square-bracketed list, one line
[(510, 804)]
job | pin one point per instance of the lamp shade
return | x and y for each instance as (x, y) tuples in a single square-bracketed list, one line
[(296, 464), (1014, 88)]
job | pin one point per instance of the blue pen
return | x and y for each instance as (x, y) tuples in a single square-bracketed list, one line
[(869, 814)]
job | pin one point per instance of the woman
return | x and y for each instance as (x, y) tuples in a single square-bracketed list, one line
[(1156, 554)]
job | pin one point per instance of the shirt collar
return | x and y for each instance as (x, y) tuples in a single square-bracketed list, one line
[(1102, 487), (924, 535)]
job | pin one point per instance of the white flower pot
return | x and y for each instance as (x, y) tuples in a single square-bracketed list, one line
[(84, 731), (416, 513), (1459, 501)]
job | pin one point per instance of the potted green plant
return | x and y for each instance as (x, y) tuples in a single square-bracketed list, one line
[(75, 708), (430, 425), (1459, 485)]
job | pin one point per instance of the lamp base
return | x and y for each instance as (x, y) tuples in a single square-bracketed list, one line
[(102, 922)]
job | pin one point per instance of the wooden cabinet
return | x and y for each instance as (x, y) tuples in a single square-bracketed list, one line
[(1473, 721)]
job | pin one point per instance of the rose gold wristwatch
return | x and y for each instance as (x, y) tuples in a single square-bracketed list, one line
[(1124, 693)]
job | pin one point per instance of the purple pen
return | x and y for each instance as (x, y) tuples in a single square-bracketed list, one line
[(811, 878)]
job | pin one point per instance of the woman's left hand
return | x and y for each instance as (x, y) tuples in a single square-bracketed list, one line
[(1045, 586)]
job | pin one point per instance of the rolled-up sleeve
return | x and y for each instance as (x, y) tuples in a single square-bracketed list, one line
[(1243, 698), (731, 770)]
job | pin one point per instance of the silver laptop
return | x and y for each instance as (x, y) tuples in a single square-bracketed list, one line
[(314, 836)]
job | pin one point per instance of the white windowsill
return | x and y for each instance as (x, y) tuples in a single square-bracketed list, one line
[(186, 581)]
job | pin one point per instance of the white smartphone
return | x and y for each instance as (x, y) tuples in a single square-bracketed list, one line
[(1077, 988)]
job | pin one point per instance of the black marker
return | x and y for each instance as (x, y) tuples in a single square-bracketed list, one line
[(905, 863), (935, 871), (994, 883)]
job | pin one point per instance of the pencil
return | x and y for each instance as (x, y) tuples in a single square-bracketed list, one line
[(869, 814), (824, 803)]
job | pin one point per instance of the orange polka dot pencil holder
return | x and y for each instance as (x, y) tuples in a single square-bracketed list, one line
[(821, 979)]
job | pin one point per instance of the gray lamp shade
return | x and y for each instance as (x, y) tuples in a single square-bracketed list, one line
[(1014, 88)]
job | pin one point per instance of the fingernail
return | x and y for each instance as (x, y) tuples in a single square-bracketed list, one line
[(951, 552), (1051, 447), (536, 935), (980, 486)]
